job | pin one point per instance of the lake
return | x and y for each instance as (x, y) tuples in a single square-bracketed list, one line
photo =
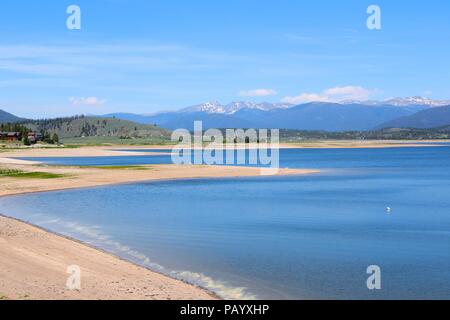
[(297, 237)]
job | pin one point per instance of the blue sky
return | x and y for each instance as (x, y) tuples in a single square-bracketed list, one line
[(145, 56)]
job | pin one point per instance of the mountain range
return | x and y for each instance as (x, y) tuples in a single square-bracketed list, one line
[(415, 112), (405, 102), (345, 116), (233, 107)]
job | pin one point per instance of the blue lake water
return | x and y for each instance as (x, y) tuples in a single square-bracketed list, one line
[(289, 158), (298, 237)]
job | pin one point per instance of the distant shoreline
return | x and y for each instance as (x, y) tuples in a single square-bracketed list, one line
[(118, 150)]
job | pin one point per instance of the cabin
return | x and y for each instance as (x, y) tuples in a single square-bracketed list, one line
[(34, 137), (10, 136)]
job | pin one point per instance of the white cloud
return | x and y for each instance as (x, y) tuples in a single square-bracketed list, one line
[(258, 93), (306, 97), (88, 101), (348, 93), (336, 94)]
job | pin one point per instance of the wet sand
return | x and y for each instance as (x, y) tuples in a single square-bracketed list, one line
[(34, 265)]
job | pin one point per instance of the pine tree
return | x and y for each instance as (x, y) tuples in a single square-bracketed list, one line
[(55, 138), (26, 141)]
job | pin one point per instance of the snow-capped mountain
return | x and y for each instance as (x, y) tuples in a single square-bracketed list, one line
[(404, 102), (214, 107), (417, 101), (233, 107), (208, 107), (328, 116), (264, 106)]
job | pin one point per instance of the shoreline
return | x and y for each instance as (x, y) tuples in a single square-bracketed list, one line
[(313, 144), (196, 292), (195, 287), (78, 178), (151, 181), (188, 290), (24, 271), (133, 150)]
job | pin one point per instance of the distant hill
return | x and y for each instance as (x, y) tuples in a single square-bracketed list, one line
[(81, 126), (430, 118), (142, 119), (310, 116), (6, 117), (384, 134)]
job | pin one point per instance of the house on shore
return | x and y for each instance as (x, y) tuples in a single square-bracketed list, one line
[(11, 136), (33, 137)]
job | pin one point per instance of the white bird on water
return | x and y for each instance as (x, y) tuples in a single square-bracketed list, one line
[(388, 209)]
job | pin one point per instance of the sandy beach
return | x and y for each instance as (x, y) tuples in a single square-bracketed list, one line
[(33, 265), (33, 262)]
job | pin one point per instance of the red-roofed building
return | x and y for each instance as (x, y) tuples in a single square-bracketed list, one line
[(11, 136)]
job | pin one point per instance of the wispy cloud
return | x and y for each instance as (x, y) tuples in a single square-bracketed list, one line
[(88, 101), (258, 93), (21, 66), (79, 59), (336, 94)]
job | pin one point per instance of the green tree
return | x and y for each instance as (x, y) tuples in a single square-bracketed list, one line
[(47, 138), (55, 138), (26, 141)]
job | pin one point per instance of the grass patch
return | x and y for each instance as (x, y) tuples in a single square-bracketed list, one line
[(28, 175)]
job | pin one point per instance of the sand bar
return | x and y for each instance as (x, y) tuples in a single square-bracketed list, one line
[(77, 177), (75, 152)]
